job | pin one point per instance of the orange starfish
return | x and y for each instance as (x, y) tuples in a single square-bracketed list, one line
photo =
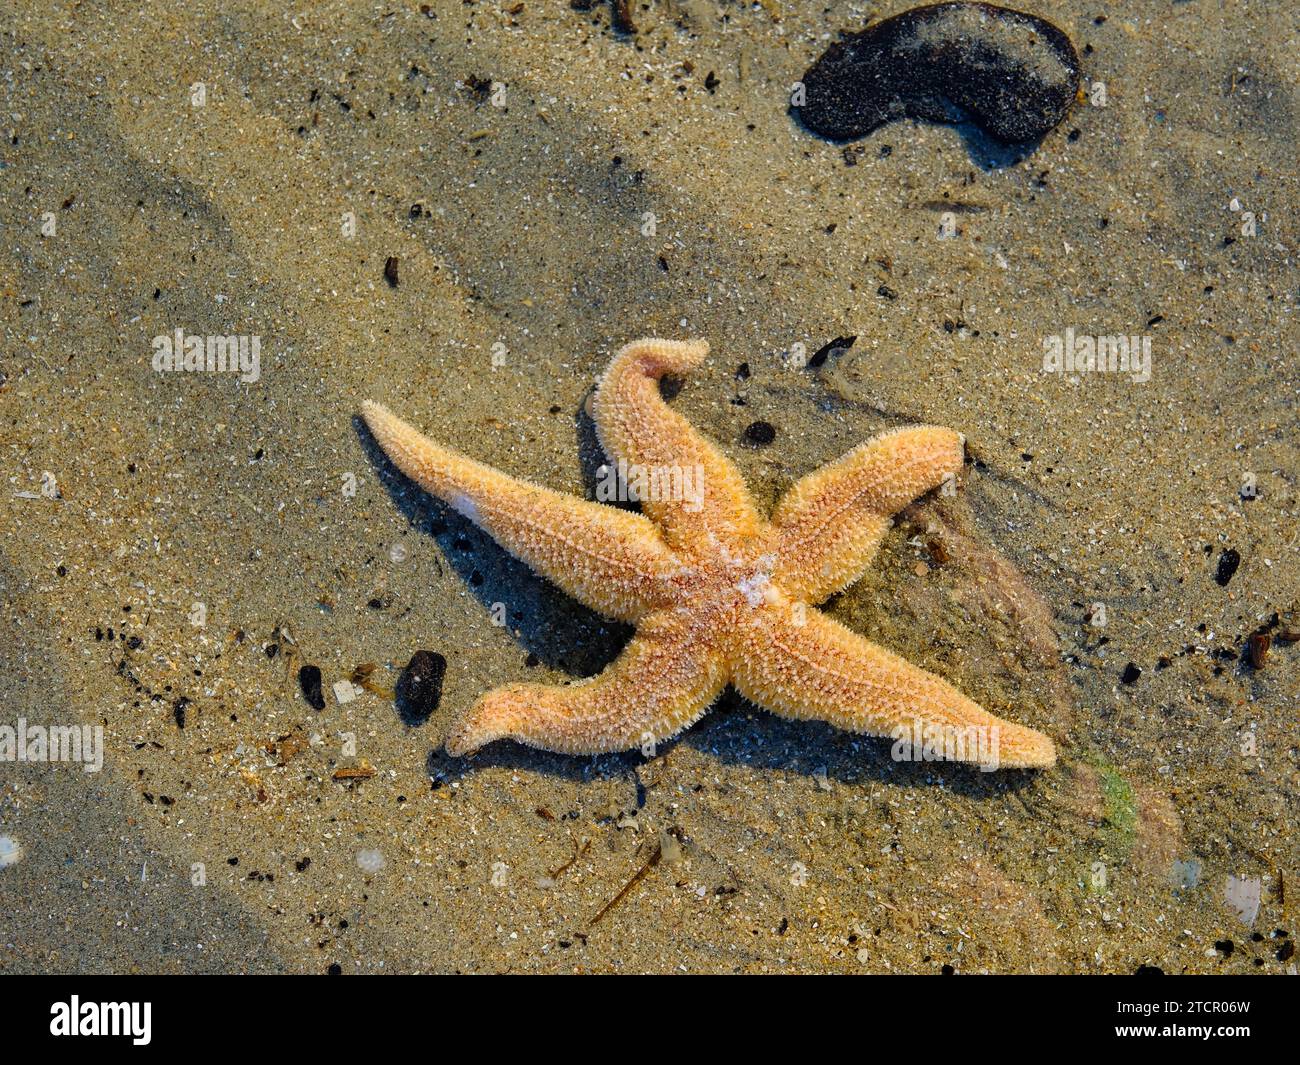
[(717, 594)]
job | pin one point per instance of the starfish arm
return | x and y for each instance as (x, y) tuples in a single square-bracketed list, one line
[(831, 522), (821, 670), (635, 424), (613, 560), (660, 684)]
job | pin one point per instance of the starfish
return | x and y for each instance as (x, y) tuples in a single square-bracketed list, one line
[(718, 595)]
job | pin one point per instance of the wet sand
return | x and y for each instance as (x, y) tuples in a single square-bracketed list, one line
[(551, 189)]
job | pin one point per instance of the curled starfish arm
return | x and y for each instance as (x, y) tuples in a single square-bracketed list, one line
[(659, 685), (831, 522), (808, 666), (613, 560), (635, 424)]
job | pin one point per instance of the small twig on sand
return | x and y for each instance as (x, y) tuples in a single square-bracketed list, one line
[(637, 877)]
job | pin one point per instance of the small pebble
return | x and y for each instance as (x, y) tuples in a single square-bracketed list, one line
[(309, 680), (1257, 647), (11, 851), (1243, 895), (371, 860), (760, 433), (831, 347), (670, 849), (419, 689), (1229, 560)]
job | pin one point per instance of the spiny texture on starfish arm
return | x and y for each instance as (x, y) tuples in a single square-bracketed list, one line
[(718, 594), (612, 559)]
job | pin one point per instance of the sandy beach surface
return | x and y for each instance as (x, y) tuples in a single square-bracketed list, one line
[(462, 210)]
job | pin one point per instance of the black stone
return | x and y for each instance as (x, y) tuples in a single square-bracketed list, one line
[(419, 689), (831, 347), (1012, 74), (1229, 560), (309, 681)]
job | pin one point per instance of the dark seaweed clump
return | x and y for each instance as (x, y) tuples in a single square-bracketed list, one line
[(1012, 74)]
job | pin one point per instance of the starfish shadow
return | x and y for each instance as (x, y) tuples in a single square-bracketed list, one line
[(577, 769), (739, 732), (591, 456)]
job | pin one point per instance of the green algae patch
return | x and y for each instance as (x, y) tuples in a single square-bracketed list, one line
[(1119, 809)]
